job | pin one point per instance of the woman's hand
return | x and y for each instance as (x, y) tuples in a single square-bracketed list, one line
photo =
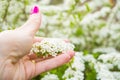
[(15, 60)]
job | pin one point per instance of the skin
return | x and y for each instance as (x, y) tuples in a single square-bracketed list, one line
[(16, 62)]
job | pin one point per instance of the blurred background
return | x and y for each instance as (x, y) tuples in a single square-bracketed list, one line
[(93, 26)]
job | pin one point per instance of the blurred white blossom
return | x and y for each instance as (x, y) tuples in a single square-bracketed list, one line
[(50, 77), (74, 72)]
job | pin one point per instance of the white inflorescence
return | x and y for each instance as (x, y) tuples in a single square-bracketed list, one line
[(75, 71), (51, 46), (50, 77)]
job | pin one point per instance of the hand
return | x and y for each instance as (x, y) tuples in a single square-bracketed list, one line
[(15, 60)]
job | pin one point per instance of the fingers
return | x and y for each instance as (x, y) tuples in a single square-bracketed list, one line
[(34, 69), (33, 23), (67, 41), (53, 62), (38, 39)]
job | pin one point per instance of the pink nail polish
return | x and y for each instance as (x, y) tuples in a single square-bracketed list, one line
[(35, 10)]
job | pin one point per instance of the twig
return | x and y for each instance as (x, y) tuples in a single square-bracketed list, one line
[(6, 11)]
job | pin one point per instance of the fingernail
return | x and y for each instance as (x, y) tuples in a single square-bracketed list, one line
[(67, 54), (71, 53), (35, 10)]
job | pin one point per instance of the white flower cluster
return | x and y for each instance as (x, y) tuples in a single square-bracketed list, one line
[(75, 71), (111, 58), (50, 77), (105, 64), (51, 46), (104, 50), (103, 69), (103, 72), (109, 61), (89, 58)]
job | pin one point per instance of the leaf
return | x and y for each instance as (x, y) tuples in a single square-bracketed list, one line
[(79, 32), (87, 7), (89, 73)]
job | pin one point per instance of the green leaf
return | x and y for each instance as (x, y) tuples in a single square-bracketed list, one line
[(89, 73), (87, 7), (79, 32)]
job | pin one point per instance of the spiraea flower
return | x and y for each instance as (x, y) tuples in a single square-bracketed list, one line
[(51, 46), (75, 71), (50, 77)]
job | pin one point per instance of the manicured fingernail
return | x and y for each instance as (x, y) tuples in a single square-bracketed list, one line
[(35, 10)]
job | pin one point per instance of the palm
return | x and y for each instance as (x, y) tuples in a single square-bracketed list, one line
[(15, 62)]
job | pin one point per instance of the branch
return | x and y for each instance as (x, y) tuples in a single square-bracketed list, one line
[(6, 11)]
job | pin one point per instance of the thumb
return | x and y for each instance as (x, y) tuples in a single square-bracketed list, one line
[(33, 23)]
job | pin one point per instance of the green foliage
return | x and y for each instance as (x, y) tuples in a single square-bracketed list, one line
[(87, 7), (90, 73)]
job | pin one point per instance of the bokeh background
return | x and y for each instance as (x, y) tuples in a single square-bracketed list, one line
[(93, 26)]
